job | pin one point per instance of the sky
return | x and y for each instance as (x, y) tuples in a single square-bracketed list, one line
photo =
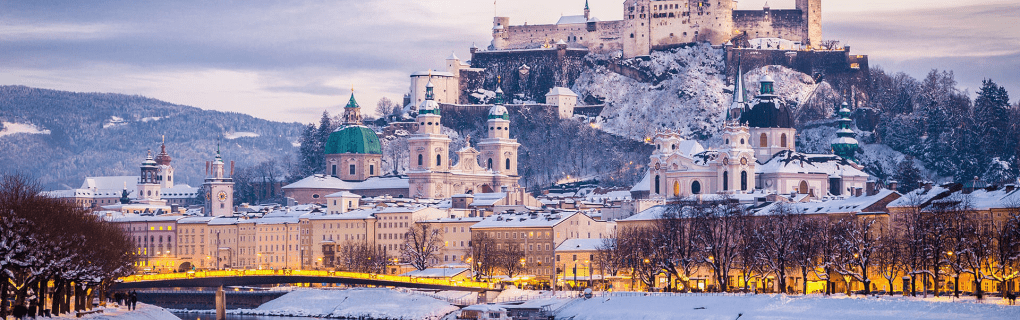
[(290, 60)]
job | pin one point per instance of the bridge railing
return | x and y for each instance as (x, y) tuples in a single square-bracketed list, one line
[(308, 273)]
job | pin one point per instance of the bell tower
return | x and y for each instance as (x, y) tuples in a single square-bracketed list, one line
[(164, 169), (219, 188), (498, 151)]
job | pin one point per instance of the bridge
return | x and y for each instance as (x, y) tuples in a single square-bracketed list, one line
[(219, 278)]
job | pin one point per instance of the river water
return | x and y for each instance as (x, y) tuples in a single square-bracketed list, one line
[(209, 316)]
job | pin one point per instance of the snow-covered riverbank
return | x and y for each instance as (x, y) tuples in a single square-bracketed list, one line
[(356, 303), (143, 312)]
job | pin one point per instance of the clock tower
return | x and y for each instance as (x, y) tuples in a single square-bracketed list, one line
[(218, 188)]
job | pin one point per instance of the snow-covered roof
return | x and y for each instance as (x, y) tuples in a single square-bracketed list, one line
[(179, 191), (795, 162), (194, 220), (560, 91), (432, 73), (487, 199), (653, 213), (524, 219), (454, 220), (609, 196), (110, 183), (580, 245), (330, 182), (920, 196), (575, 20), (342, 194), (453, 56), (141, 218), (831, 206)]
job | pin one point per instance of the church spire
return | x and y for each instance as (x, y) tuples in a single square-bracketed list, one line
[(739, 96), (845, 145), (587, 12)]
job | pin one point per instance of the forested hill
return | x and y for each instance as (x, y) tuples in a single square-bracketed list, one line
[(61, 137)]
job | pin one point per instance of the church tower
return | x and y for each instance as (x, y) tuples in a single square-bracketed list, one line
[(587, 12), (498, 151), (429, 151), (165, 171), (148, 181), (735, 166), (770, 122), (845, 144), (219, 189)]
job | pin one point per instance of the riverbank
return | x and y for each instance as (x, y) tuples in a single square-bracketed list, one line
[(354, 303), (143, 312)]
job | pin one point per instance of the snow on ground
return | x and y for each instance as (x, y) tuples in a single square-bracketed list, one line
[(10, 128), (353, 303), (143, 312), (778, 307), (240, 134)]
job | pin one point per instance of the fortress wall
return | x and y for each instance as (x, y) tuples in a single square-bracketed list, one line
[(605, 36), (470, 80), (785, 24), (548, 68), (838, 68)]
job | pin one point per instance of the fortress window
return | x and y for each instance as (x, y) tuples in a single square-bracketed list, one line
[(333, 172), (632, 36)]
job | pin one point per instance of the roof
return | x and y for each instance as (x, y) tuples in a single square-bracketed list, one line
[(830, 206), (432, 73), (110, 183), (453, 56), (560, 91), (573, 19), (644, 184), (487, 199), (342, 194), (653, 213), (581, 244), (353, 139), (524, 219), (498, 112), (787, 161), (435, 272), (767, 113), (329, 182), (179, 191)]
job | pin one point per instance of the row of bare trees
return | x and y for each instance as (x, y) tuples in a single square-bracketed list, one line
[(489, 256), (44, 239), (360, 256), (943, 239)]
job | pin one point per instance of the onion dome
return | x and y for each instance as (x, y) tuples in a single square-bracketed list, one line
[(845, 144), (148, 162), (429, 105), (499, 112), (163, 158), (353, 139)]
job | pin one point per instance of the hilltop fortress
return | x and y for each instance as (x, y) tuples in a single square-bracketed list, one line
[(661, 24)]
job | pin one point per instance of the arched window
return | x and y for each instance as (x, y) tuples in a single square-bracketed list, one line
[(676, 188), (439, 160), (420, 160), (764, 140), (725, 180), (696, 187), (803, 187), (743, 180), (782, 140), (657, 184), (489, 165), (508, 164)]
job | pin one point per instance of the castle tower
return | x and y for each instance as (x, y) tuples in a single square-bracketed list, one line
[(564, 99), (498, 151), (587, 11), (219, 189), (148, 181), (353, 151), (166, 172), (770, 122), (845, 143), (811, 13), (499, 33)]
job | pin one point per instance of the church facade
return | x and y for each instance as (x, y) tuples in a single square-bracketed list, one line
[(758, 155)]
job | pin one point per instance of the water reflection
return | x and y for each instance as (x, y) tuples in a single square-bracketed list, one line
[(209, 316)]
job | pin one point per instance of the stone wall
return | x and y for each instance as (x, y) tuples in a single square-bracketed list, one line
[(602, 35), (785, 24), (837, 67), (547, 68)]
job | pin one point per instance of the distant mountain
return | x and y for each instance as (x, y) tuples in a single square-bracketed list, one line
[(61, 137)]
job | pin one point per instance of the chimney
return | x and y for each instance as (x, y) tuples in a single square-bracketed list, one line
[(893, 185), (927, 186), (872, 189), (1010, 187)]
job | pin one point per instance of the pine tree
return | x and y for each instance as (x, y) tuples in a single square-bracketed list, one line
[(907, 175), (307, 156), (991, 117)]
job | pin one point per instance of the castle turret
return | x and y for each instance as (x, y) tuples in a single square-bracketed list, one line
[(845, 145)]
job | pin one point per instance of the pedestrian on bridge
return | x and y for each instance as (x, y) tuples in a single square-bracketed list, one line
[(134, 300)]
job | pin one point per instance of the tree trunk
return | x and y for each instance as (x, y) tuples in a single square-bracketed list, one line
[(66, 305), (889, 292), (803, 273), (956, 288), (977, 288), (913, 284), (43, 287), (55, 300), (3, 297)]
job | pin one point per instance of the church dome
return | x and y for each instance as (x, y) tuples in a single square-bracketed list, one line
[(353, 139), (499, 112), (429, 105), (767, 114)]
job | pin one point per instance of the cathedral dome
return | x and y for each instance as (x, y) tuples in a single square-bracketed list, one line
[(499, 112), (353, 139)]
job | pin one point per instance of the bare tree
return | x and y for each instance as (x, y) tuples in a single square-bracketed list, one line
[(718, 234), (807, 249), (510, 259), (674, 239), (890, 258), (608, 257), (484, 256), (422, 244), (360, 256), (639, 254), (1006, 248), (856, 245), (777, 235), (384, 107), (750, 264)]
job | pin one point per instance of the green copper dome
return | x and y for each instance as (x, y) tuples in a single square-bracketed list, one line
[(353, 139)]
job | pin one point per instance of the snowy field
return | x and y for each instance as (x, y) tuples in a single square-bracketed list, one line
[(781, 307)]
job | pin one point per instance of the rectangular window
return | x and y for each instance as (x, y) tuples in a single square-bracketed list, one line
[(371, 169), (352, 169)]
